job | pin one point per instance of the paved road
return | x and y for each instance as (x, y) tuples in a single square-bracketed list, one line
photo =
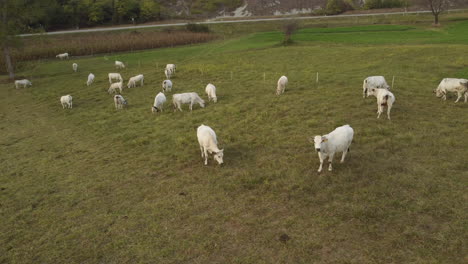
[(221, 22)]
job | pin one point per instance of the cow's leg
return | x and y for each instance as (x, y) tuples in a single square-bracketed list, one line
[(466, 96), (330, 160), (459, 94), (344, 155), (321, 158), (206, 156), (389, 107), (201, 150)]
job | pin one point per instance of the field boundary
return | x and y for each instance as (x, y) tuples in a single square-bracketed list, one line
[(231, 21)]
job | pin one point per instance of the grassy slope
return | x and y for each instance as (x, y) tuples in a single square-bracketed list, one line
[(97, 185)]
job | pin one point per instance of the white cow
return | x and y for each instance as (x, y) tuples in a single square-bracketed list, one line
[(114, 86), (186, 98), (115, 76), (62, 56), (338, 140), (119, 101), (167, 86), (23, 83), (211, 92), (66, 101), (171, 68), (159, 101), (373, 82), (384, 98), (168, 73), (75, 67), (459, 86), (209, 144), (282, 82), (132, 82), (119, 65), (90, 79)]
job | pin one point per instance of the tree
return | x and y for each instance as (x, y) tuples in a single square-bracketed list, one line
[(16, 16), (8, 30), (437, 6), (149, 10)]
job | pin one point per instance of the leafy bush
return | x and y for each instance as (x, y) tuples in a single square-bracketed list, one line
[(337, 7), (197, 28)]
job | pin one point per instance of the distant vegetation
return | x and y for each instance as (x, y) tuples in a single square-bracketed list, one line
[(59, 14), (89, 44)]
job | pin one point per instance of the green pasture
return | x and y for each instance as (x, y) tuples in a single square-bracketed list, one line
[(96, 185)]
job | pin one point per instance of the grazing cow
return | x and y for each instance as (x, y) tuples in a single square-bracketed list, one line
[(211, 92), (384, 98), (115, 76), (373, 82), (119, 101), (132, 82), (168, 73), (171, 68), (282, 82), (90, 79), (209, 144), (66, 101), (75, 67), (119, 65), (23, 83), (453, 85), (114, 86), (159, 101), (186, 98), (62, 56), (167, 86), (338, 140)]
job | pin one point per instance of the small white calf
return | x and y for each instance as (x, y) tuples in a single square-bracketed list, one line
[(209, 144), (338, 140), (373, 82), (159, 101), (114, 86), (62, 56), (75, 67), (90, 79), (119, 101), (211, 92), (132, 82), (23, 83), (282, 82), (115, 76), (186, 98), (384, 98), (167, 86), (168, 73), (66, 101), (119, 65), (459, 86)]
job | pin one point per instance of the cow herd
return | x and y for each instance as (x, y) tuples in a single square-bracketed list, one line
[(337, 141)]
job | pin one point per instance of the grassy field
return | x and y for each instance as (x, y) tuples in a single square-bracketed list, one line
[(97, 185)]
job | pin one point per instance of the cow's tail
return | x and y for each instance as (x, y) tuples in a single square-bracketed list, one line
[(385, 99), (364, 87)]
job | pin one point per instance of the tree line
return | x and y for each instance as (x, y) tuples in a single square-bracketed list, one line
[(61, 14)]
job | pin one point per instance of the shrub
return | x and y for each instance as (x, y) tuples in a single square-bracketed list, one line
[(337, 7), (289, 28)]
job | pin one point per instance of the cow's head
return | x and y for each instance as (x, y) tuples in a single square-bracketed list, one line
[(218, 156), (318, 140), (438, 92)]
